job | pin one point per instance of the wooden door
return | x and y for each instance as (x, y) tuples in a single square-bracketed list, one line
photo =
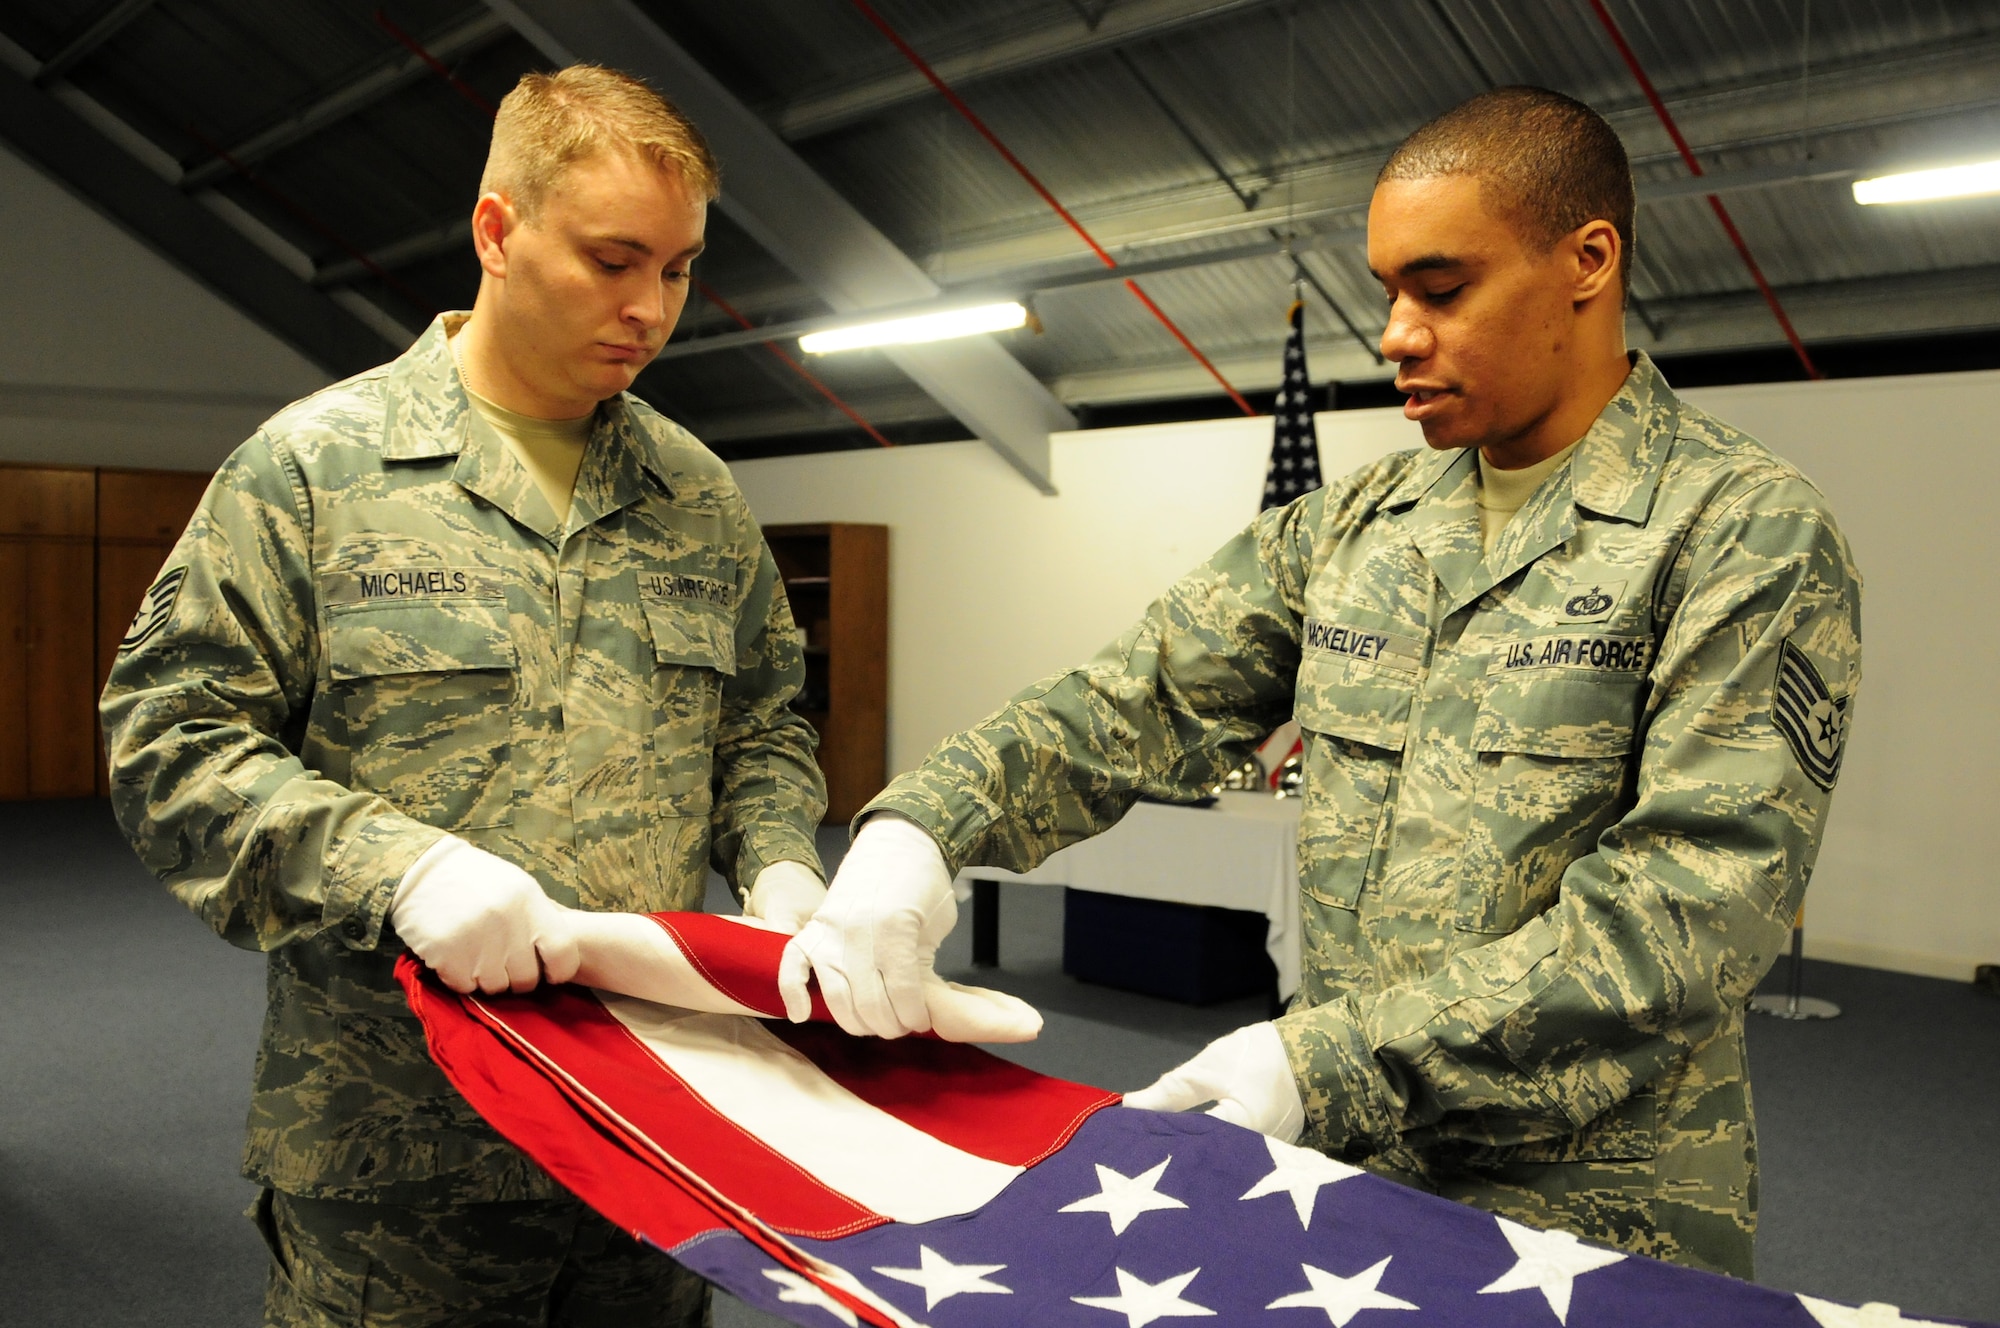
[(62, 711), (13, 669), (48, 603)]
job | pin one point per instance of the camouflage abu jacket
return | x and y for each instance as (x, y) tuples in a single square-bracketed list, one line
[(1562, 801), (375, 630)]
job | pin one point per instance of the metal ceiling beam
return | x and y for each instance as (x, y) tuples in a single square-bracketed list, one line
[(99, 31), (76, 152), (1035, 281), (1067, 38), (800, 219), (393, 71), (444, 238)]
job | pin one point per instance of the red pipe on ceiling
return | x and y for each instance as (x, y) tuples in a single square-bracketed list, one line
[(957, 103), (708, 293), (1694, 166)]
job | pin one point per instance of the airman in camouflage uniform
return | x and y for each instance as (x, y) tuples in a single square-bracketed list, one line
[(376, 631), (1565, 778), (1554, 830)]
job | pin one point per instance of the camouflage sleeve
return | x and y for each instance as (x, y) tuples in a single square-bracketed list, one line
[(769, 793), (1657, 938), (1167, 709), (218, 669)]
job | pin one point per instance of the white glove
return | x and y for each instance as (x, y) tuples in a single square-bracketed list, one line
[(874, 940), (481, 922), (785, 894), (1248, 1077)]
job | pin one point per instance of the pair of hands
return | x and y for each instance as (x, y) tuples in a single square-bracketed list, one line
[(485, 925), (873, 942)]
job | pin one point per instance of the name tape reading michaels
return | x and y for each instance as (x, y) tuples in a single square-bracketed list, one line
[(408, 583)]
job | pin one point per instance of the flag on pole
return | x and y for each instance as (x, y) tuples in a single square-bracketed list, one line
[(1294, 468), (1293, 471), (833, 1180)]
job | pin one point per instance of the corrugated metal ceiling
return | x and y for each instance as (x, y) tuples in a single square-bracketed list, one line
[(1130, 136)]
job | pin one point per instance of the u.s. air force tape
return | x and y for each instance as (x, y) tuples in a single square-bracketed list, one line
[(677, 586), (1574, 650), (1386, 648)]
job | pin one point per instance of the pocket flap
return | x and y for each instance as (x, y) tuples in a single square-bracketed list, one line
[(687, 633), (1351, 700), (377, 639), (1554, 715)]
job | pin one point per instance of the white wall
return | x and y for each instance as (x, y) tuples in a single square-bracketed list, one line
[(110, 355), (993, 585)]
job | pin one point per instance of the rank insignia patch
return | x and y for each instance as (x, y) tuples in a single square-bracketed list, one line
[(1812, 719), (155, 610)]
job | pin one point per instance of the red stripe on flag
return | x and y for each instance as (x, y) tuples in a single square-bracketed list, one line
[(576, 1033), (519, 1099), (958, 1094), (737, 960), (628, 1184)]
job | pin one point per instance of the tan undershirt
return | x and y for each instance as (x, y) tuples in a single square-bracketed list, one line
[(1502, 493), (551, 451)]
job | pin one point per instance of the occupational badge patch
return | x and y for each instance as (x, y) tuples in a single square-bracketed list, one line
[(1813, 720), (1591, 601), (155, 610)]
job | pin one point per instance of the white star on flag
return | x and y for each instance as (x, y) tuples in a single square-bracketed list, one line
[(801, 1291), (1122, 1198), (1142, 1302), (1341, 1297), (1548, 1262), (1872, 1315), (942, 1279), (1301, 1173)]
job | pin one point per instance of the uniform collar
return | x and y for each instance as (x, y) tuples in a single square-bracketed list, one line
[(1612, 473), (1617, 463), (430, 416)]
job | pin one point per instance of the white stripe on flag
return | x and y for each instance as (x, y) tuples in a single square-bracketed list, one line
[(783, 1100)]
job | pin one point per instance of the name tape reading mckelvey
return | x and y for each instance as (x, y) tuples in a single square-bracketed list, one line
[(673, 585), (1399, 652), (1591, 653)]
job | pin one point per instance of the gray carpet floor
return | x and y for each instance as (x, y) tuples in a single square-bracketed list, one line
[(127, 1029)]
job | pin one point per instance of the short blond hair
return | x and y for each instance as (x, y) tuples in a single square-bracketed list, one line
[(551, 121)]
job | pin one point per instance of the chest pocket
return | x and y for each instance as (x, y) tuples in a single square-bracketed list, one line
[(1555, 751), (694, 649), (1356, 720), (427, 692)]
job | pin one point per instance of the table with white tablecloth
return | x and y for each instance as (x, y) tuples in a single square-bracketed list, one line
[(1241, 853)]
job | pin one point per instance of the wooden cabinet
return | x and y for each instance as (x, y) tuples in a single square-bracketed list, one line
[(78, 548), (48, 725), (837, 578), (140, 514)]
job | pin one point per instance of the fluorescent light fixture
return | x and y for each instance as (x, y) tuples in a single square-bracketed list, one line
[(920, 327), (1981, 177)]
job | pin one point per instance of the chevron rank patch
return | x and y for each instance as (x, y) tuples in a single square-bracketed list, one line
[(157, 607), (1812, 719)]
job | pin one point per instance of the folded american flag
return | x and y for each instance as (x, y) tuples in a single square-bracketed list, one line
[(838, 1180)]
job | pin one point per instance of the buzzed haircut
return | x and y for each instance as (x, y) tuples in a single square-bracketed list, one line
[(1546, 162), (551, 121)]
